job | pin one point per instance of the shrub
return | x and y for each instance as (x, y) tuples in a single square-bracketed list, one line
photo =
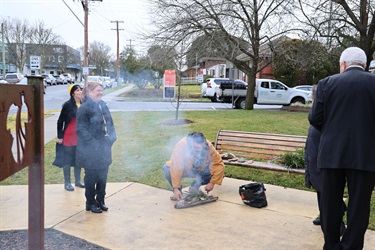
[(293, 159)]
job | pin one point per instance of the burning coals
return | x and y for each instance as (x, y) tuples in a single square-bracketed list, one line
[(195, 198)]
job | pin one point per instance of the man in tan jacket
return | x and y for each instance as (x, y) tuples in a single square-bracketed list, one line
[(194, 157)]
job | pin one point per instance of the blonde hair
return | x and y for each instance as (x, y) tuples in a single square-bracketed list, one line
[(90, 86)]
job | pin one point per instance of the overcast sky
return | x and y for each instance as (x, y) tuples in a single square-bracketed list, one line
[(56, 15)]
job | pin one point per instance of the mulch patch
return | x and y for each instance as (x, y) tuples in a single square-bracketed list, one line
[(177, 122), (53, 240)]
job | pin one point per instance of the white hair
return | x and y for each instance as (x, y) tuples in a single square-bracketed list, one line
[(353, 55)]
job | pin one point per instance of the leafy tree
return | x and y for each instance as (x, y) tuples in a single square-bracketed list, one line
[(160, 59), (299, 62), (342, 23), (135, 69), (201, 48)]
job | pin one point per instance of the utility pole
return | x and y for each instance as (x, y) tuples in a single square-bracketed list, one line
[(3, 49), (85, 5), (118, 52), (130, 43), (86, 41)]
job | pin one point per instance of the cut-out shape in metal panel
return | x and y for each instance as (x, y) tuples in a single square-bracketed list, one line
[(21, 96)]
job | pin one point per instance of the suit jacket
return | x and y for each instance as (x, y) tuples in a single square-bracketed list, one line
[(343, 111), (94, 146), (312, 174)]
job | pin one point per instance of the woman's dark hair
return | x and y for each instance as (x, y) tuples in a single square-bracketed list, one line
[(196, 137)]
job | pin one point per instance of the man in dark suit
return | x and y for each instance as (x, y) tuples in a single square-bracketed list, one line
[(343, 113)]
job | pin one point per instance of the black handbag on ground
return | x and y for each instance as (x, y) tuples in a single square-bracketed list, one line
[(253, 194), (59, 159)]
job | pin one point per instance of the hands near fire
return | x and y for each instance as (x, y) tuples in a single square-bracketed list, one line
[(209, 187), (177, 194)]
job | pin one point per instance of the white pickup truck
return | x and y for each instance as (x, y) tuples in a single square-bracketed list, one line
[(267, 91)]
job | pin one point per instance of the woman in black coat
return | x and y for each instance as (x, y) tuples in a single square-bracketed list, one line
[(66, 135), (96, 135)]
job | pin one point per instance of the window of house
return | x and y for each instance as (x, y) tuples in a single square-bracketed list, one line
[(61, 58)]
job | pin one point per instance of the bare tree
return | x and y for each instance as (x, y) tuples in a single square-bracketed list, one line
[(227, 23), (17, 34), (24, 40), (342, 22), (43, 40), (99, 55)]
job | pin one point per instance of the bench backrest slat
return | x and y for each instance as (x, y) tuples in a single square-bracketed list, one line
[(257, 145)]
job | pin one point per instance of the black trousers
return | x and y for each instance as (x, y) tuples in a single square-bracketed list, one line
[(360, 186), (95, 184)]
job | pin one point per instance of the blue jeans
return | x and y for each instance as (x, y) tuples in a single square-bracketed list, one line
[(201, 177)]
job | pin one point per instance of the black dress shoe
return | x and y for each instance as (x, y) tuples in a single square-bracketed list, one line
[(93, 208), (102, 206), (316, 221), (79, 184), (69, 186)]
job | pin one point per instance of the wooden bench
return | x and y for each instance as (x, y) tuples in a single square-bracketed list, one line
[(257, 150)]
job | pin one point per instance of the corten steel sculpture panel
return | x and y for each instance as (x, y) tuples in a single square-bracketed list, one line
[(25, 147), (18, 95)]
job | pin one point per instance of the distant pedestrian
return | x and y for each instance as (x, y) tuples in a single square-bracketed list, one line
[(96, 135), (342, 112), (66, 135)]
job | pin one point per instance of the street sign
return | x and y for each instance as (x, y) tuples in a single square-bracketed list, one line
[(35, 62), (169, 84), (200, 78), (85, 71)]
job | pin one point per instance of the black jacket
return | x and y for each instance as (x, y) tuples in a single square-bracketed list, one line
[(94, 146), (68, 111), (343, 111), (312, 174)]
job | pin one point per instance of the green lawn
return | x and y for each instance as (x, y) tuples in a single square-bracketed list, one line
[(145, 143)]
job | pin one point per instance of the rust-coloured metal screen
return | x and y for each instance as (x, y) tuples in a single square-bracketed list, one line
[(24, 147)]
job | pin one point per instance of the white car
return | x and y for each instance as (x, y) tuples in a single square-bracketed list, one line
[(98, 79), (50, 80), (107, 83), (306, 88), (203, 89), (69, 78), (211, 85)]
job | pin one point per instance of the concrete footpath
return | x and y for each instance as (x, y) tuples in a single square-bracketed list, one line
[(143, 217)]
